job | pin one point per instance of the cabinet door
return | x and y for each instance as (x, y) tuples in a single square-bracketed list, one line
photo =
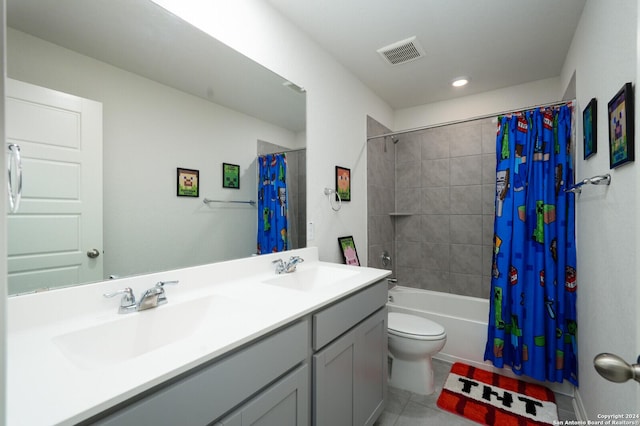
[(333, 375), (371, 369), (284, 404), (350, 375)]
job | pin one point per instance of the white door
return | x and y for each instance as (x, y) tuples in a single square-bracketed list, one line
[(59, 223)]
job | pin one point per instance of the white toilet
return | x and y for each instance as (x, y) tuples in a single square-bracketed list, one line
[(413, 340)]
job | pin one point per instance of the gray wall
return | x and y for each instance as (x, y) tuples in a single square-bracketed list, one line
[(445, 183), (380, 194)]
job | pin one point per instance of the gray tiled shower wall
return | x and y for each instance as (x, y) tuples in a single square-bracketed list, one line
[(444, 181)]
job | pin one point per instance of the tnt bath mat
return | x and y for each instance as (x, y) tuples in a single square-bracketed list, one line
[(492, 399)]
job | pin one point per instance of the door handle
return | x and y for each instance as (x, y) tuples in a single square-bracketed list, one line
[(615, 369), (93, 253), (15, 171)]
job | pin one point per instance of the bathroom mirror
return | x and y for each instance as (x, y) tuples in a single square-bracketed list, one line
[(172, 97)]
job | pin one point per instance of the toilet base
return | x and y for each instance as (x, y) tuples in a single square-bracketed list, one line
[(415, 376)]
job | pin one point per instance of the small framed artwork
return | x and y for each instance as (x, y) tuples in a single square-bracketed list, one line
[(188, 183), (590, 128), (343, 183), (230, 176), (349, 253), (621, 127)]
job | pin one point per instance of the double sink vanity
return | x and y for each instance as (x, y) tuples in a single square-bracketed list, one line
[(235, 344)]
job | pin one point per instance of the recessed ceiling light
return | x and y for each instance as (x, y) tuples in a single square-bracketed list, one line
[(460, 81)]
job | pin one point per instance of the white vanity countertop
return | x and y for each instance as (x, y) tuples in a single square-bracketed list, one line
[(220, 307)]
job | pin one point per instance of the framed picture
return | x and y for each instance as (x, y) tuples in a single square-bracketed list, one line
[(188, 183), (621, 127), (349, 253), (590, 128), (230, 176), (343, 183)]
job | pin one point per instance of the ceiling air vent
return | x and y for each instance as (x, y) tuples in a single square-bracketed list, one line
[(402, 52)]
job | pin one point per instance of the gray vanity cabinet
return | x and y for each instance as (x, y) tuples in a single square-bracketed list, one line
[(214, 390), (285, 403), (350, 373), (328, 368)]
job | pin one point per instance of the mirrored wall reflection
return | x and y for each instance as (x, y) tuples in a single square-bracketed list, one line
[(166, 104), (296, 179)]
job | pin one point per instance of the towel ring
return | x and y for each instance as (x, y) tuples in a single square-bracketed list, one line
[(329, 192)]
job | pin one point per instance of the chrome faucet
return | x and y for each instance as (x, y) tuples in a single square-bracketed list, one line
[(128, 301), (290, 266), (151, 298)]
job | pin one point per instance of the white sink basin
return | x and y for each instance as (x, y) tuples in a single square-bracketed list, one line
[(311, 279), (133, 334)]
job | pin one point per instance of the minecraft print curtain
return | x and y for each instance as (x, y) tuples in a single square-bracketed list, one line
[(532, 320), (272, 203)]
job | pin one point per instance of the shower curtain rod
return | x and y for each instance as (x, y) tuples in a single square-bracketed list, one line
[(466, 120), (283, 152)]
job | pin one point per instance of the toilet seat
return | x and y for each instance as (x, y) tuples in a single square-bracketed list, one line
[(414, 327)]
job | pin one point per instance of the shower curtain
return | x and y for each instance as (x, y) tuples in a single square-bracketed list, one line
[(532, 320), (272, 204)]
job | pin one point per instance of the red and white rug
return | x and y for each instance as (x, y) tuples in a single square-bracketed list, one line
[(492, 399)]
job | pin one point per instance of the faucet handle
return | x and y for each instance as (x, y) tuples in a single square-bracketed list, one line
[(162, 297), (292, 263), (161, 284), (280, 267), (128, 301)]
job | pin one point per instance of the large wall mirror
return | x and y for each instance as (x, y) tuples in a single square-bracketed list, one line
[(169, 97)]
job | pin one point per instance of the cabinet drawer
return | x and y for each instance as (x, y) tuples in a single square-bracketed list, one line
[(213, 391), (340, 317)]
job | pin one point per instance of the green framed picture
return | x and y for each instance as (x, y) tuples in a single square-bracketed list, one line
[(230, 176), (621, 118), (188, 183), (349, 253), (343, 183)]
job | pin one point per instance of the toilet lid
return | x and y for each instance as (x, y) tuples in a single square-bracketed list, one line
[(413, 325)]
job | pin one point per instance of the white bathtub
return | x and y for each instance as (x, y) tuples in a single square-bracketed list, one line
[(464, 320)]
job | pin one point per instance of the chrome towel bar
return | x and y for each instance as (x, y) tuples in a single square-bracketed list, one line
[(207, 201), (595, 180)]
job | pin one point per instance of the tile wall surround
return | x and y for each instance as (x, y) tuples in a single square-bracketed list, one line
[(380, 195), (445, 182)]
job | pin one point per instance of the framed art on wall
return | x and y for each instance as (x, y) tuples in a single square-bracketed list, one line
[(590, 128), (188, 183), (621, 128), (349, 253), (343, 183), (230, 176)]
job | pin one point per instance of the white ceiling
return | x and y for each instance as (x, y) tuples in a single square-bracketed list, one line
[(498, 43)]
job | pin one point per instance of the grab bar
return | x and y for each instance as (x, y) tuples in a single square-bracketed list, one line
[(207, 201), (14, 167), (595, 180)]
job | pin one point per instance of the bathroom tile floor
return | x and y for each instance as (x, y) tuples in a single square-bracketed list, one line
[(409, 409)]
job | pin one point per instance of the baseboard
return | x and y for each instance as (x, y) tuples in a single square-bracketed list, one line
[(578, 407)]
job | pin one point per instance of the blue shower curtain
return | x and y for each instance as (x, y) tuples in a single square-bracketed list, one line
[(272, 203), (532, 320)]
